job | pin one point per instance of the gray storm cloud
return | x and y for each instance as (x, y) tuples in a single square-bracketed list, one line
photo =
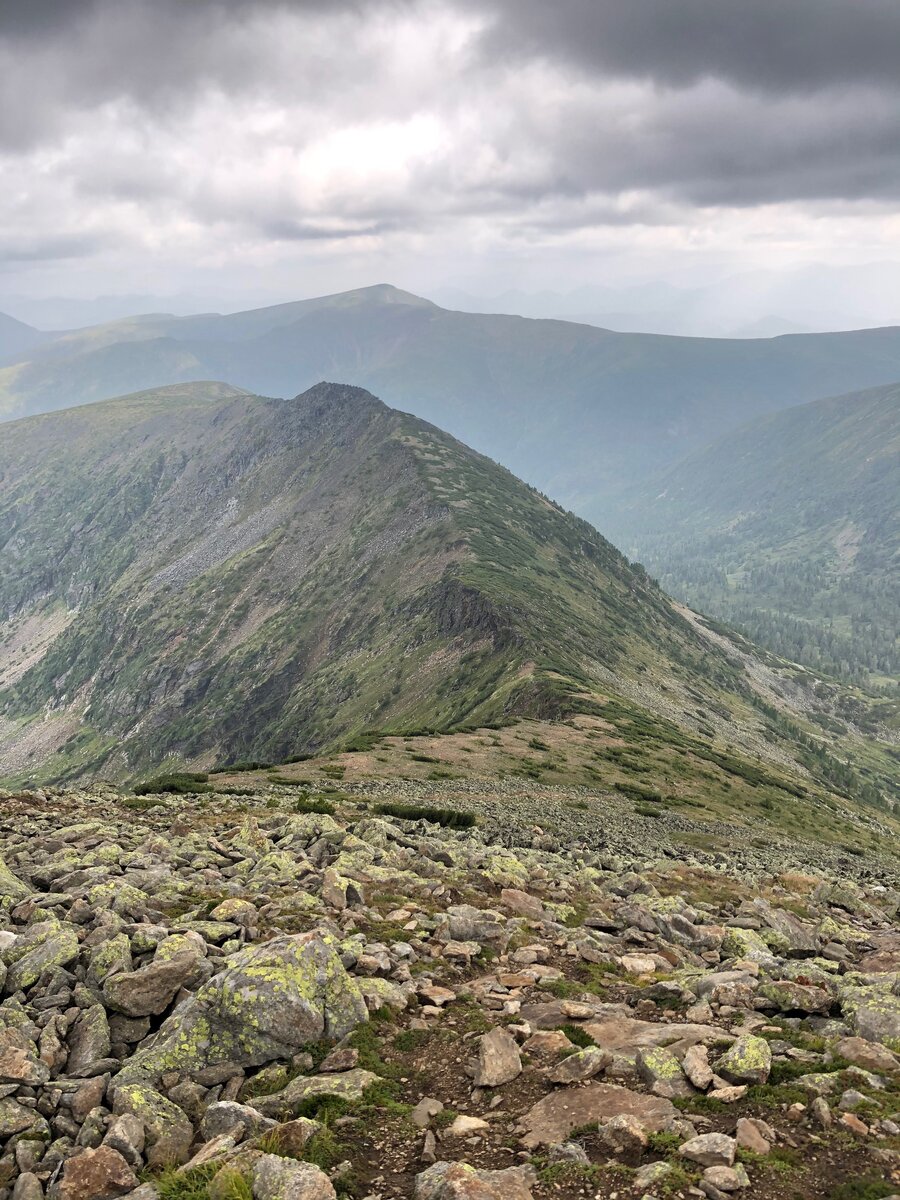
[(185, 128)]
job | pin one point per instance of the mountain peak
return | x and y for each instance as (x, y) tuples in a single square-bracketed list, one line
[(338, 395)]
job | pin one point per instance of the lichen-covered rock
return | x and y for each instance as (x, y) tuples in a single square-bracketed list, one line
[(460, 1181), (783, 995), (747, 944), (662, 1072), (871, 1006), (12, 889), (16, 1118), (112, 955), (748, 1060), (45, 944), (270, 1000), (276, 1178), (169, 1132)]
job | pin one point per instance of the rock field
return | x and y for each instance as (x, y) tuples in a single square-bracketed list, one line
[(249, 999)]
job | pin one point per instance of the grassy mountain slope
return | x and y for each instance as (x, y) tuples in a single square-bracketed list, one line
[(576, 410), (791, 529), (198, 574)]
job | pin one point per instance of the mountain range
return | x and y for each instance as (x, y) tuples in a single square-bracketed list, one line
[(199, 574), (789, 528), (578, 411)]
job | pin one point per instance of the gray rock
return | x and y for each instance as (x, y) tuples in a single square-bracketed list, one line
[(149, 991), (270, 1000), (499, 1061), (460, 1181), (277, 1178), (709, 1150)]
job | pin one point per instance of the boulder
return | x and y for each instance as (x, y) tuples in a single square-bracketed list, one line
[(784, 995), (101, 1174), (662, 1073), (89, 1039), (710, 1150), (554, 1117), (748, 1060), (623, 1137), (149, 991), (869, 1055), (270, 1000), (499, 1061), (349, 1086), (695, 1065), (169, 1132), (276, 1178), (578, 1067), (460, 1181), (43, 945)]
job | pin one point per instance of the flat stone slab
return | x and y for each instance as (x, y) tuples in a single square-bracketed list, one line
[(625, 1036), (552, 1119)]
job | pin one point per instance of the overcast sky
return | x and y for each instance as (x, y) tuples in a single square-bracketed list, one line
[(282, 149)]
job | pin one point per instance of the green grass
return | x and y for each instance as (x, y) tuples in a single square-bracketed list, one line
[(870, 1187), (578, 1036), (194, 1185)]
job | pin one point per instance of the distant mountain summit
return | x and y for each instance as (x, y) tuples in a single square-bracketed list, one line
[(578, 411), (18, 338)]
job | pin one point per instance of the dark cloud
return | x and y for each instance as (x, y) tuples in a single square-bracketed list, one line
[(759, 45), (189, 123)]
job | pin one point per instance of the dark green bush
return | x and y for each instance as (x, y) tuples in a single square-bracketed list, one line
[(314, 806), (243, 764), (181, 783), (452, 818)]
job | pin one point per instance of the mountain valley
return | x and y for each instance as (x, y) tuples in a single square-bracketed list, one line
[(789, 529)]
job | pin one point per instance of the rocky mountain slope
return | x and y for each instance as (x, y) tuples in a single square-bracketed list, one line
[(286, 996), (578, 411), (789, 528), (199, 575)]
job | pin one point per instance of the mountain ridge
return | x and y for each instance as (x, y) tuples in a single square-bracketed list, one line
[(200, 574), (575, 410)]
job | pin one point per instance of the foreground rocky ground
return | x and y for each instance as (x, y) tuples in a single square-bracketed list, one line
[(278, 997)]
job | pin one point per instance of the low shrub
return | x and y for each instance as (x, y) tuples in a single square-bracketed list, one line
[(243, 764), (181, 783), (452, 818)]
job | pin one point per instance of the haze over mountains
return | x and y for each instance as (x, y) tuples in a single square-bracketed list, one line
[(763, 303), (791, 527), (579, 412)]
